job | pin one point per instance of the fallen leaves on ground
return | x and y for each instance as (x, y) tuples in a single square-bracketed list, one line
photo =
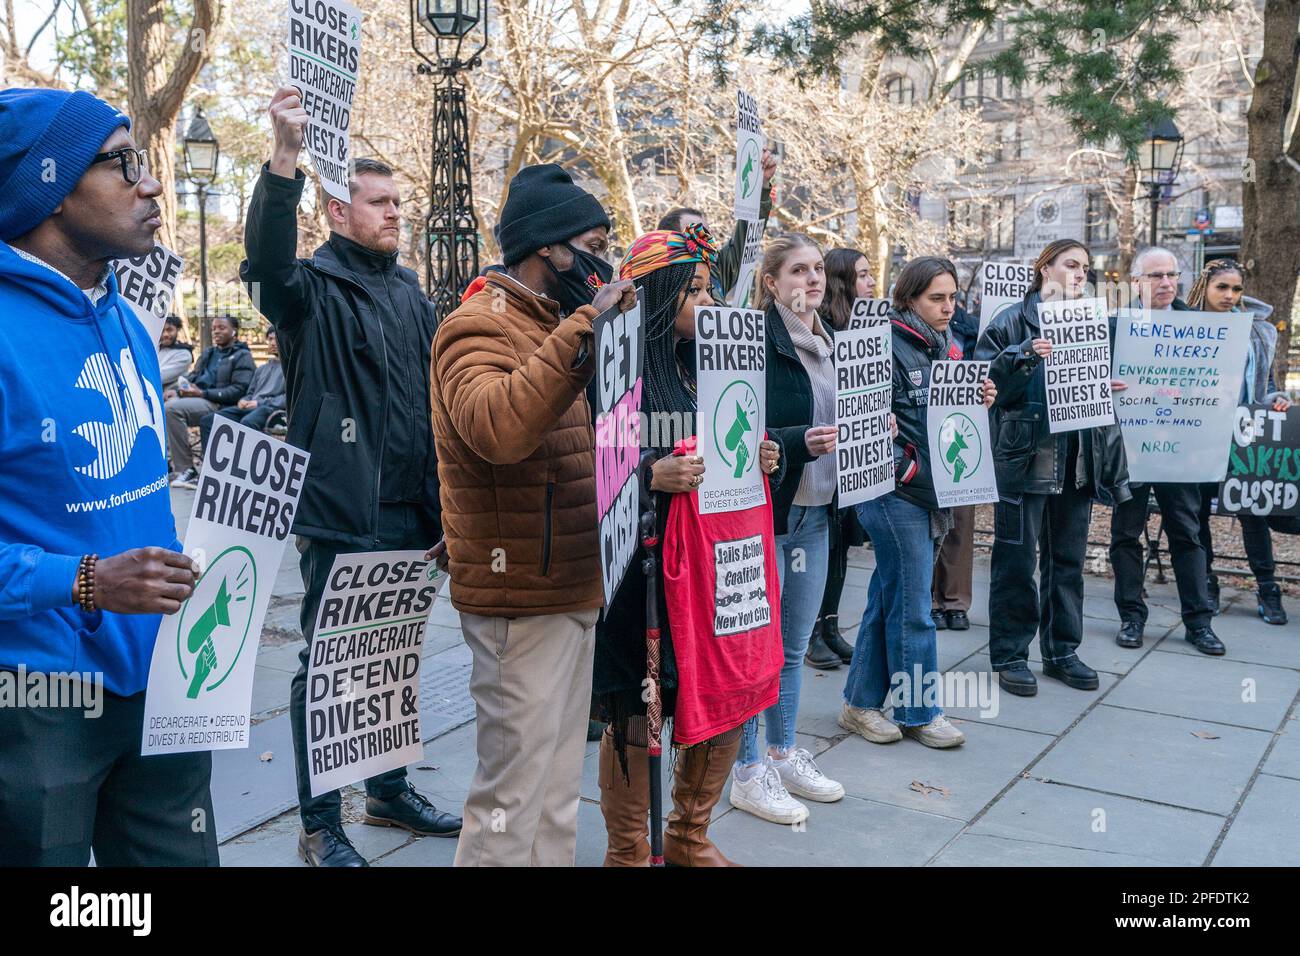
[(927, 789)]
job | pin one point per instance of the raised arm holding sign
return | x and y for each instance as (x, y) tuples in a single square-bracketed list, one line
[(324, 53)]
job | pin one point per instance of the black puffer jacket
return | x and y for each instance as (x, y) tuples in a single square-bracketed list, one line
[(355, 334), (912, 358), (223, 375), (1027, 457)]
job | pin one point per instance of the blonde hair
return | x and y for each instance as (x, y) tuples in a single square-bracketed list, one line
[(774, 258)]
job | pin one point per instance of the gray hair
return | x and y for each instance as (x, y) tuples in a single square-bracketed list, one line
[(1135, 270)]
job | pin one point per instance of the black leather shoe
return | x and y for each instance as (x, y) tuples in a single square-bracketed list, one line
[(1072, 673), (1130, 634), (958, 621), (1205, 640), (1212, 588), (328, 847), (940, 619), (411, 811), (1019, 681), (818, 654), (1270, 603)]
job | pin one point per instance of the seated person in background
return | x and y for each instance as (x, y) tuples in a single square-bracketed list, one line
[(174, 356), (219, 379), (265, 395)]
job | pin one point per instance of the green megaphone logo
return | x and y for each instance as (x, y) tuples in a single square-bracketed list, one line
[(735, 440), (200, 639)]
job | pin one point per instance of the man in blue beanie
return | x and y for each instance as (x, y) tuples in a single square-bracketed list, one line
[(89, 559)]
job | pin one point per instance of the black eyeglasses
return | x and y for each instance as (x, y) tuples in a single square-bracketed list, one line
[(1157, 276), (134, 162)]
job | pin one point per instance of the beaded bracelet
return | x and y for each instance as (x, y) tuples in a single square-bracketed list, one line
[(86, 582)]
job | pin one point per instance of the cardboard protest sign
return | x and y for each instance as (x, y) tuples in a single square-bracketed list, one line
[(749, 256), (1263, 476), (1077, 372), (1002, 286), (957, 423), (1184, 373), (620, 348), (148, 284), (749, 157), (363, 679), (731, 391), (201, 676), (324, 53), (868, 313), (864, 396)]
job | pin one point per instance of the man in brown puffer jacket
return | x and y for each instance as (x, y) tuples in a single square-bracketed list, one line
[(516, 462)]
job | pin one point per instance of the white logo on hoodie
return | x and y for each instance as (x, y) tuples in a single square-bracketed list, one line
[(115, 440)]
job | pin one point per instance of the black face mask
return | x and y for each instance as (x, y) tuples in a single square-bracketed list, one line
[(577, 284)]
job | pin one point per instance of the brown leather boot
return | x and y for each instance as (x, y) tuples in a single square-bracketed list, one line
[(625, 804), (702, 772)]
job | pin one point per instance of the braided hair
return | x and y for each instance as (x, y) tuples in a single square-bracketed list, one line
[(669, 379), (1215, 267)]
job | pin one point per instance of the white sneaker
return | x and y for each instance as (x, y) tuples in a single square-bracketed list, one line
[(801, 776), (870, 723), (938, 733), (765, 797)]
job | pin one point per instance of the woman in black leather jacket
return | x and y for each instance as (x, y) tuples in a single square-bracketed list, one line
[(1046, 484)]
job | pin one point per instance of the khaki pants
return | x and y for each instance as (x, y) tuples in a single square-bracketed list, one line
[(531, 686), (951, 590), (181, 414)]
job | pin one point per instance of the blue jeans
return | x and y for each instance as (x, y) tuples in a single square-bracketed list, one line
[(897, 638), (801, 557)]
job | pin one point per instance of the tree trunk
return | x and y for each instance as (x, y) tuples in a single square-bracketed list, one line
[(1270, 247), (157, 84), (1127, 227)]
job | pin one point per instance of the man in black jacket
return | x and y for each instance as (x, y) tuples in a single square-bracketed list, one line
[(724, 273), (218, 380), (354, 333), (1155, 281)]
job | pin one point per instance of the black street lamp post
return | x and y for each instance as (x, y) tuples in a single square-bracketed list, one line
[(1158, 160), (201, 154), (451, 228)]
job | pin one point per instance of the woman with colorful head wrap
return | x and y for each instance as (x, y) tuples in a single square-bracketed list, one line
[(672, 270)]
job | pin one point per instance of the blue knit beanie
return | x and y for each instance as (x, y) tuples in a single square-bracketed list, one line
[(47, 140)]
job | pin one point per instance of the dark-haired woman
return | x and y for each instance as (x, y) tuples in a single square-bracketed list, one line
[(848, 277), (1046, 483), (1219, 288), (906, 527), (672, 269)]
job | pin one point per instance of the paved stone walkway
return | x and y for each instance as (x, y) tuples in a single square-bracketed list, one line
[(1178, 759)]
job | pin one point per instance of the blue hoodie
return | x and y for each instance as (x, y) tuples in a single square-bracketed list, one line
[(82, 469)]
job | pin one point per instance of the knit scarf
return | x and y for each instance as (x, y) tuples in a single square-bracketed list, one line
[(942, 341), (817, 483), (941, 521)]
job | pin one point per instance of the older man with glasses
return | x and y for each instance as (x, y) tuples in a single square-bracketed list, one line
[(1155, 278)]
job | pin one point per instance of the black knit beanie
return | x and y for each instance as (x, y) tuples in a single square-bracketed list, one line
[(544, 207)]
